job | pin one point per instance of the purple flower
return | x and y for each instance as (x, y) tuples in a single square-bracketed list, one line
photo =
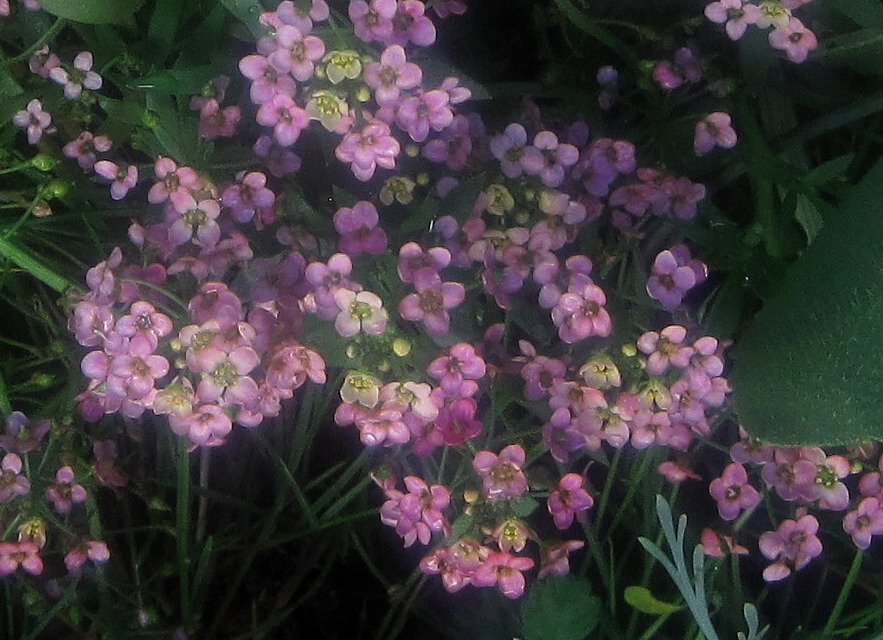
[(580, 314), (426, 111), (415, 515), (23, 435), (432, 300), (732, 492), (359, 229), (505, 571), (674, 273), (93, 550), (35, 120), (12, 483), (374, 21), (714, 130), (65, 492), (409, 24), (247, 196), (24, 554), (84, 147), (508, 148), (461, 364)]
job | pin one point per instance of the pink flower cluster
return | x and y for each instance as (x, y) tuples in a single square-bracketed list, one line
[(295, 79), (789, 34)]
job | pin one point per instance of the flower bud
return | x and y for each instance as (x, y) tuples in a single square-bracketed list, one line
[(44, 162)]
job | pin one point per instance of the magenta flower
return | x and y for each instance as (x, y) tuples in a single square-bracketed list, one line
[(685, 68), (371, 147), (717, 545), (35, 120), (144, 320), (266, 81), (124, 178), (794, 39), (501, 475), (736, 13), (413, 258), (374, 21), (665, 348), (409, 24), (74, 80), (569, 500), (65, 492), (392, 75), (555, 559), (215, 122), (508, 148), (457, 423), (733, 492), (791, 546), (456, 564), (208, 425), (247, 196), (548, 158), (505, 571), (714, 130)]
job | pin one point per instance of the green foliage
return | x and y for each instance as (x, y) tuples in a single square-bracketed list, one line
[(560, 609), (93, 11), (808, 369)]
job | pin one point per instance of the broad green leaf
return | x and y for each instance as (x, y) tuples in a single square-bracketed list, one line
[(93, 11), (643, 600), (810, 368), (560, 609)]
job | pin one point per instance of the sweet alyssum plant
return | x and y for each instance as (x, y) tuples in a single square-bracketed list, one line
[(503, 312)]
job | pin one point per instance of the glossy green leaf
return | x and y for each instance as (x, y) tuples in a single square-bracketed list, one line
[(560, 609), (93, 11), (643, 600), (810, 367)]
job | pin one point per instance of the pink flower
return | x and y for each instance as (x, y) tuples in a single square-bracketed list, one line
[(371, 147), (360, 229), (93, 550), (409, 24), (864, 521), (287, 118), (714, 130), (505, 571), (77, 78), (569, 500), (794, 39), (732, 492), (391, 75), (84, 147), (35, 120), (418, 513), (362, 311), (124, 178), (461, 364), (501, 474), (718, 545), (792, 546), (297, 52), (419, 114), (580, 314), (674, 273), (736, 13), (24, 554)]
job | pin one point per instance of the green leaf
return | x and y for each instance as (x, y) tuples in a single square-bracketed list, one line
[(560, 609), (93, 11), (247, 11), (807, 214), (809, 369), (641, 599)]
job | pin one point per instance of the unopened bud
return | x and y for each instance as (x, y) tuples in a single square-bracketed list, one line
[(44, 162)]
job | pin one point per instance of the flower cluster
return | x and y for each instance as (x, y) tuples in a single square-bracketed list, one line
[(788, 33)]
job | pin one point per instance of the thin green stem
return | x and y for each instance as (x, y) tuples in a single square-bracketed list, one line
[(182, 513), (53, 31), (844, 594)]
